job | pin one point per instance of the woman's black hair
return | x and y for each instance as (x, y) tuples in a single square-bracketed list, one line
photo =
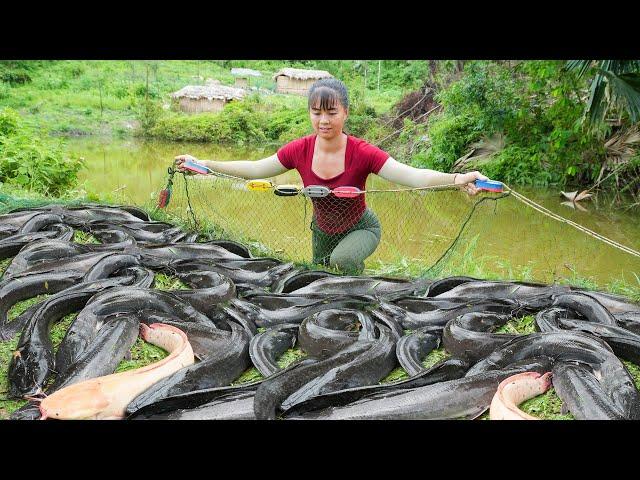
[(328, 91)]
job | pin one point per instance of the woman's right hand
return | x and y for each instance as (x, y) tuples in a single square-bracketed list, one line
[(180, 159)]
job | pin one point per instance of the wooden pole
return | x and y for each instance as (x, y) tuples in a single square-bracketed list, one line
[(364, 91), (100, 85)]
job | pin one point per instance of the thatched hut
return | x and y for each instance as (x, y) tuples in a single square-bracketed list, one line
[(296, 80), (242, 76), (205, 98)]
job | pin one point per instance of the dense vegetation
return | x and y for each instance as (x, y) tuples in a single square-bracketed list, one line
[(32, 161), (518, 121)]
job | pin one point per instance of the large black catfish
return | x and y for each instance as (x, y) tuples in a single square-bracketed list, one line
[(466, 397)]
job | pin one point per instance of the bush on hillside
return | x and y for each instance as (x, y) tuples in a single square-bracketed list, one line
[(534, 106), (237, 123), (34, 162)]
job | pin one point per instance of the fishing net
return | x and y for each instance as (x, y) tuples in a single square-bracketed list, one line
[(12, 202), (423, 232), (430, 232)]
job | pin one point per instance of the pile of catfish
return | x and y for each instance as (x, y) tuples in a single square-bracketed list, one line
[(242, 311)]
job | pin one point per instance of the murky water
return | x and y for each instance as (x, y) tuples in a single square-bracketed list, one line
[(504, 236)]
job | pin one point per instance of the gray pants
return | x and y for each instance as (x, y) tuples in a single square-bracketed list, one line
[(347, 251)]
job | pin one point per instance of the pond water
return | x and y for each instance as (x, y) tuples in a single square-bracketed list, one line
[(504, 236)]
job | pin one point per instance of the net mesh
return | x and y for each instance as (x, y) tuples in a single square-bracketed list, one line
[(433, 233)]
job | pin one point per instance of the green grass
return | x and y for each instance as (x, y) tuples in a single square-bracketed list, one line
[(211, 231), (634, 370), (142, 354), (81, 237), (8, 406), (547, 406), (463, 260), (434, 357), (20, 307), (4, 264), (519, 326), (162, 281), (59, 330), (250, 375), (287, 358)]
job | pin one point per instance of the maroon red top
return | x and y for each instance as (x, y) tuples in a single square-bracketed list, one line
[(335, 215)]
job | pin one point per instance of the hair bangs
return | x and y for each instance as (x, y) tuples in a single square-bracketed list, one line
[(324, 98)]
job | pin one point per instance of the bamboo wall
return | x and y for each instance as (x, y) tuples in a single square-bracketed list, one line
[(293, 85), (241, 82), (197, 105)]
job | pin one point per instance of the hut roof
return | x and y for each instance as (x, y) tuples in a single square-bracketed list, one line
[(302, 74), (209, 92), (245, 72)]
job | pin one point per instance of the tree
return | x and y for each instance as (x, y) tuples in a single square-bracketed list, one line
[(616, 84)]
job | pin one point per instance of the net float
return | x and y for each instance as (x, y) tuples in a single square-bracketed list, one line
[(259, 185), (315, 191), (489, 185), (164, 197), (346, 192), (195, 167), (286, 190)]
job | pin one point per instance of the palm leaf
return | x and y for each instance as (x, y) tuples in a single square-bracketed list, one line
[(616, 82), (623, 66), (481, 152), (632, 79), (597, 105), (625, 89), (580, 65)]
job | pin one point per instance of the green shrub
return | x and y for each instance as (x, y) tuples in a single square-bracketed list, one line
[(178, 127), (74, 70), (120, 90), (5, 91), (284, 125), (147, 113), (245, 123), (49, 82), (32, 162), (139, 90), (485, 100), (521, 166), (16, 72), (537, 109), (238, 122), (450, 135), (9, 121)]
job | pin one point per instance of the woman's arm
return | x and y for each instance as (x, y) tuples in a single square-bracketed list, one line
[(264, 168), (402, 174)]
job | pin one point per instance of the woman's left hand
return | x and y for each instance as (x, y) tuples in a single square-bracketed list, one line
[(466, 181)]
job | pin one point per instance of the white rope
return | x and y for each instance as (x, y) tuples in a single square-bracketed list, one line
[(557, 217)]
